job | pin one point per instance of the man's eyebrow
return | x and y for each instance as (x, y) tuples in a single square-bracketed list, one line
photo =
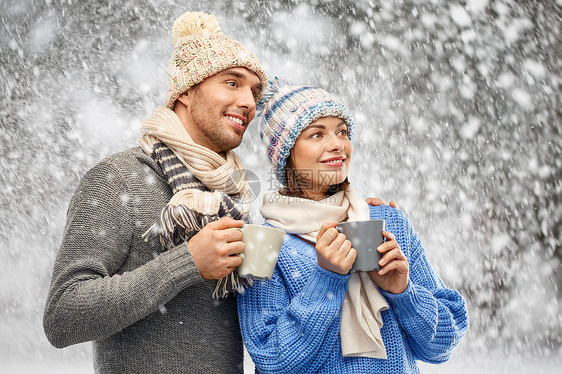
[(232, 73), (239, 75)]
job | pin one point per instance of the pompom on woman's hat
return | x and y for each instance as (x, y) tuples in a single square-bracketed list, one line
[(202, 50), (285, 110)]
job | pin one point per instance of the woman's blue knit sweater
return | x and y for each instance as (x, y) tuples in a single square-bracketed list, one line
[(290, 324)]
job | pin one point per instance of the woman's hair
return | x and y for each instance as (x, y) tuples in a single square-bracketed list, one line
[(296, 183)]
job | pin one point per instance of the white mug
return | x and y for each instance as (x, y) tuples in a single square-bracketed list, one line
[(263, 244)]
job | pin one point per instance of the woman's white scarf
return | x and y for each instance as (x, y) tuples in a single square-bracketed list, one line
[(361, 311), (206, 186)]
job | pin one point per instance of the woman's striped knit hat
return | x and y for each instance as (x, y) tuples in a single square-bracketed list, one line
[(285, 110), (201, 50)]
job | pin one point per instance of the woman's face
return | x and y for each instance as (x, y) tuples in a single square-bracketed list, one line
[(321, 156)]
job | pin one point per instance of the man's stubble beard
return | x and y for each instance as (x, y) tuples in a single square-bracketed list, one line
[(213, 128)]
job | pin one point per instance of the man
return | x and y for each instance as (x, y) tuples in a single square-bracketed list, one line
[(150, 230)]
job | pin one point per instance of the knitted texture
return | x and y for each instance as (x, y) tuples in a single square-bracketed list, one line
[(202, 182), (285, 110), (190, 221), (178, 223), (146, 310), (214, 170), (290, 324), (201, 50)]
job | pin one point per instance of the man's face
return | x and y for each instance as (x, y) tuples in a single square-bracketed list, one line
[(220, 108)]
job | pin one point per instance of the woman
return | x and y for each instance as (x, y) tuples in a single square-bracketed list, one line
[(313, 316)]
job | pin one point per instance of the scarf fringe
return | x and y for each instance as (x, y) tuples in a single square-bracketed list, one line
[(195, 174), (231, 284), (176, 224), (179, 223)]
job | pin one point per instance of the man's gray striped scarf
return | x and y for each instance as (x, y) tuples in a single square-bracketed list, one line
[(179, 223)]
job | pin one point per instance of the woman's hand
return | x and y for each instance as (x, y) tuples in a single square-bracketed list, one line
[(393, 274), (334, 250)]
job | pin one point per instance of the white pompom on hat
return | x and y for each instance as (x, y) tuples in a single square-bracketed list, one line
[(202, 50), (192, 23)]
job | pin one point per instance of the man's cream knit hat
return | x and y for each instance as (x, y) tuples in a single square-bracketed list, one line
[(201, 50)]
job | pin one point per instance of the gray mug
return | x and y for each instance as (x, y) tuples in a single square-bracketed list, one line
[(365, 237)]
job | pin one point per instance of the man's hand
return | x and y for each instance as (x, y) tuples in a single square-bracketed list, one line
[(393, 274), (334, 250), (376, 202), (216, 247)]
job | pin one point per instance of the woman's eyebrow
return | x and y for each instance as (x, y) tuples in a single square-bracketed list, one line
[(314, 126), (320, 126)]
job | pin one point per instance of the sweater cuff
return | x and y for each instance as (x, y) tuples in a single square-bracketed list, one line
[(326, 285), (408, 303), (180, 265)]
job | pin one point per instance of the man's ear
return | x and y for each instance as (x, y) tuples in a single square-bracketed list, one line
[(183, 99)]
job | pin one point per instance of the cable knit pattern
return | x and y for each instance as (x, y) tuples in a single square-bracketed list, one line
[(290, 324), (145, 309)]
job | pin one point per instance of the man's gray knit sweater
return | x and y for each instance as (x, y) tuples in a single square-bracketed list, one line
[(146, 310)]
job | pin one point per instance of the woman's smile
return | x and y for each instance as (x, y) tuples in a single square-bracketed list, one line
[(336, 162)]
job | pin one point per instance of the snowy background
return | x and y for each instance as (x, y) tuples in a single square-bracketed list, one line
[(458, 107)]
